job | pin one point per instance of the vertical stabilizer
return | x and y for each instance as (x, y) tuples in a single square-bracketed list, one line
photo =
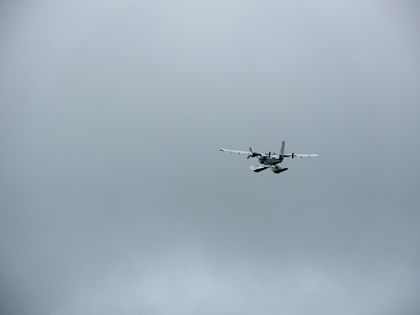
[(282, 149)]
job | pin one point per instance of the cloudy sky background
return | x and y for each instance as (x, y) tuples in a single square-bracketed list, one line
[(115, 197)]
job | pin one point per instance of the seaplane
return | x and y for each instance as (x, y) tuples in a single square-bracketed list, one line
[(270, 159)]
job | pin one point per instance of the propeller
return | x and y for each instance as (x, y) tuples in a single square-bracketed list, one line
[(252, 154)]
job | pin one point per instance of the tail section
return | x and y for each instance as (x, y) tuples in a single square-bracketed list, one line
[(283, 144)]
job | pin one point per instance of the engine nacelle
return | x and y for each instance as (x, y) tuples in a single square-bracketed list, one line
[(278, 170)]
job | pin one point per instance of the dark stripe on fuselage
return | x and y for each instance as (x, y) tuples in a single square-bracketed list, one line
[(269, 161)]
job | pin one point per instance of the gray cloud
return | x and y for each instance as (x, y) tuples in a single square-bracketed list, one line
[(115, 198)]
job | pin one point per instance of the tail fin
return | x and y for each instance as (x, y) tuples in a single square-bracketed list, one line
[(282, 150)]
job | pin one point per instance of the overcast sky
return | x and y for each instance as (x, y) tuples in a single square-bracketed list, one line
[(115, 198)]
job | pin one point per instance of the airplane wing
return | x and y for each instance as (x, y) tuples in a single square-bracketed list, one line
[(274, 155), (234, 151), (293, 155), (296, 155)]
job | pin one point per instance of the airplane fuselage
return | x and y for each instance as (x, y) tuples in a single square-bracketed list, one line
[(266, 160)]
